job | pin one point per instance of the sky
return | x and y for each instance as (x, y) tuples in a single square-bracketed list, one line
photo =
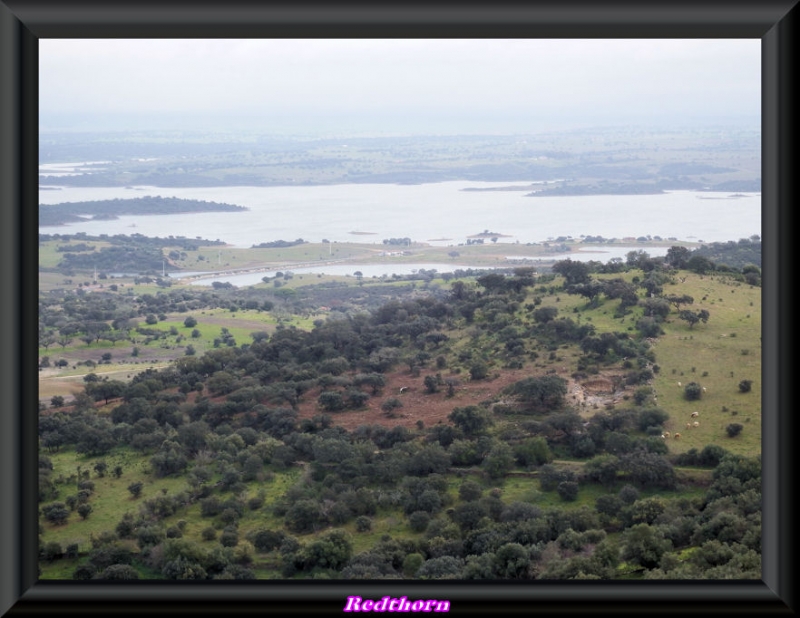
[(396, 86)]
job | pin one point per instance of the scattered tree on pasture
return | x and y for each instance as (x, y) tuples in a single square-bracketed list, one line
[(693, 317), (734, 429), (693, 391)]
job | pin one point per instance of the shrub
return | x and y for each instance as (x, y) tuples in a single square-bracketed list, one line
[(431, 384), (229, 516), (734, 429), (52, 551), (119, 571), (355, 398), (331, 401), (229, 537), (136, 488), (209, 507), (390, 404), (84, 571), (608, 504), (56, 513), (149, 536), (255, 503), (567, 490), (419, 520), (267, 540), (533, 452), (693, 391), (125, 527), (209, 533), (411, 564), (711, 455), (642, 394), (478, 371), (469, 491), (628, 494)]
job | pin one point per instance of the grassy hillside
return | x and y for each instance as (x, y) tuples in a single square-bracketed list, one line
[(221, 470)]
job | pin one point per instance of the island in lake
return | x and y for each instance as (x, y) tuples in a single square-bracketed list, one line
[(67, 212)]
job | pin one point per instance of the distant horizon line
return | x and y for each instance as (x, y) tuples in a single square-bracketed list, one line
[(741, 123)]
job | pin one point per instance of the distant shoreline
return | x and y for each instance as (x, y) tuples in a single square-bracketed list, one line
[(490, 235)]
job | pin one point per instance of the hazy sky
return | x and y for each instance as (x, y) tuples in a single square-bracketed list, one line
[(396, 86)]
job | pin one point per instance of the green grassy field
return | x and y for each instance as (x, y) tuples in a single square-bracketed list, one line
[(49, 256), (717, 355)]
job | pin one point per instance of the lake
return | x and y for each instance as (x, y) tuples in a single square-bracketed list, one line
[(441, 214)]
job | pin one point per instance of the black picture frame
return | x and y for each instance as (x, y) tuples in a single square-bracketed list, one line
[(24, 22)]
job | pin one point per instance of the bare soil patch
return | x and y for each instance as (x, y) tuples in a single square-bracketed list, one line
[(418, 403), (586, 396), (433, 408)]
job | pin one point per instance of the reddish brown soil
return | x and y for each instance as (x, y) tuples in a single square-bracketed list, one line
[(434, 408), (418, 403)]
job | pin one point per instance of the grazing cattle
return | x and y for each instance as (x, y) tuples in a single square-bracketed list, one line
[(666, 434), (677, 435), (695, 414), (704, 389), (688, 425), (679, 384), (663, 436), (403, 389), (696, 424)]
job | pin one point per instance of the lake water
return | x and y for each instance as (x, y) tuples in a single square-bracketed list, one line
[(601, 254), (441, 214)]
